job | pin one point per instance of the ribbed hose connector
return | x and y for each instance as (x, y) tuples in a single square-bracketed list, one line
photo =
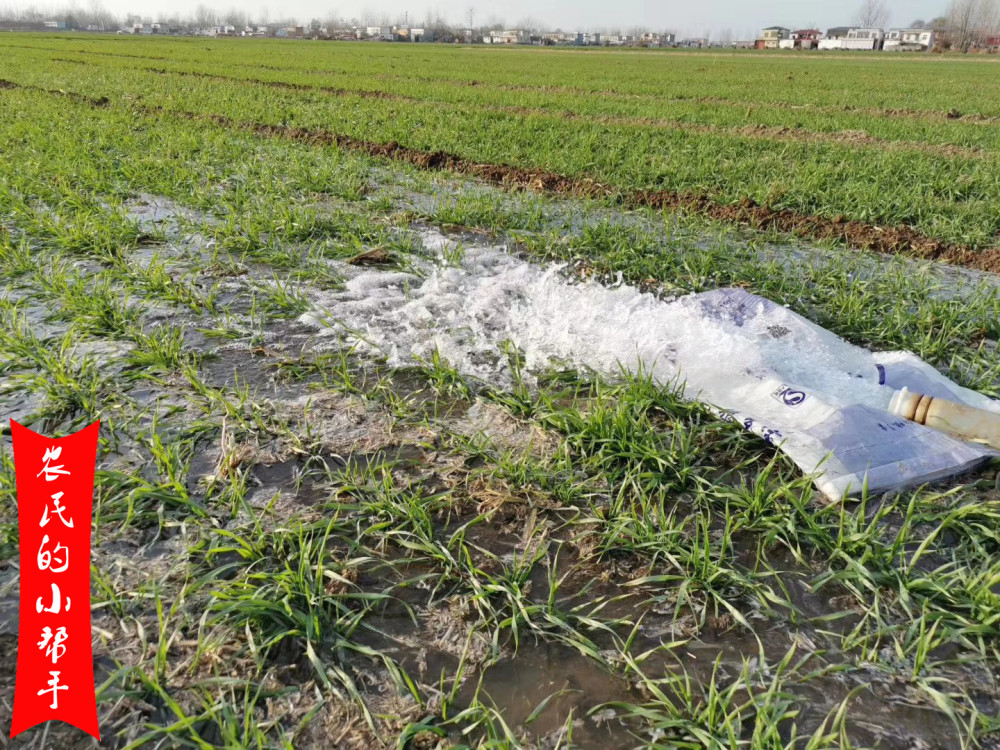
[(965, 422)]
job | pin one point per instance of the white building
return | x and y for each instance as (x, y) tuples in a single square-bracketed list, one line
[(516, 36), (833, 38), (909, 40), (655, 39), (863, 39)]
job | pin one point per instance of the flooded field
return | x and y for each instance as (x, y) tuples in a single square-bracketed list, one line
[(380, 467)]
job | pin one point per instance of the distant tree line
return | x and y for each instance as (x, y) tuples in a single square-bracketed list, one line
[(96, 17), (964, 25), (972, 22)]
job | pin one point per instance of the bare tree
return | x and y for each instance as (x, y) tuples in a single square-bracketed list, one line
[(873, 14), (236, 18), (991, 19), (966, 22), (99, 15), (533, 24), (205, 17)]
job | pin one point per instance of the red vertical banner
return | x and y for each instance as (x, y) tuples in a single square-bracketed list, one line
[(55, 493)]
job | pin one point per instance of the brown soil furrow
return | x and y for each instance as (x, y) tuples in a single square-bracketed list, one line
[(917, 114), (99, 102), (899, 239), (363, 93), (87, 52), (760, 132)]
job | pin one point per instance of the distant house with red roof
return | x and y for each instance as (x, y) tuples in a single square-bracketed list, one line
[(806, 38)]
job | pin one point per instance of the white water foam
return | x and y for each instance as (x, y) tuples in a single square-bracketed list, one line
[(786, 379), (469, 310)]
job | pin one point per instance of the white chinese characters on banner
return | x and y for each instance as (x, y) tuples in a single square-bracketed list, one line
[(56, 606), (54, 560), (52, 472), (57, 510), (52, 643), (54, 688), (46, 558)]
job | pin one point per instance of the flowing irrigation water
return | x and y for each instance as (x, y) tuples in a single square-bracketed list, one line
[(472, 301), (821, 399)]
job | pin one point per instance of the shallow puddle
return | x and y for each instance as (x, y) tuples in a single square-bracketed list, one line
[(538, 689)]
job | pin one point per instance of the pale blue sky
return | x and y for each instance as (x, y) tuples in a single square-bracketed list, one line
[(688, 17)]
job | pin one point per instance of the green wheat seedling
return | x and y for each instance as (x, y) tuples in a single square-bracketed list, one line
[(602, 518)]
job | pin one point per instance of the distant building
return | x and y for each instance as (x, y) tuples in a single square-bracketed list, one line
[(833, 39), (656, 39), (403, 34), (60, 25), (515, 36), (771, 37), (572, 38), (618, 40), (806, 38), (863, 39), (909, 40)]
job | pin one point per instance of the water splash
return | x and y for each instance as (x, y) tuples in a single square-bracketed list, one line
[(791, 382), (469, 309)]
